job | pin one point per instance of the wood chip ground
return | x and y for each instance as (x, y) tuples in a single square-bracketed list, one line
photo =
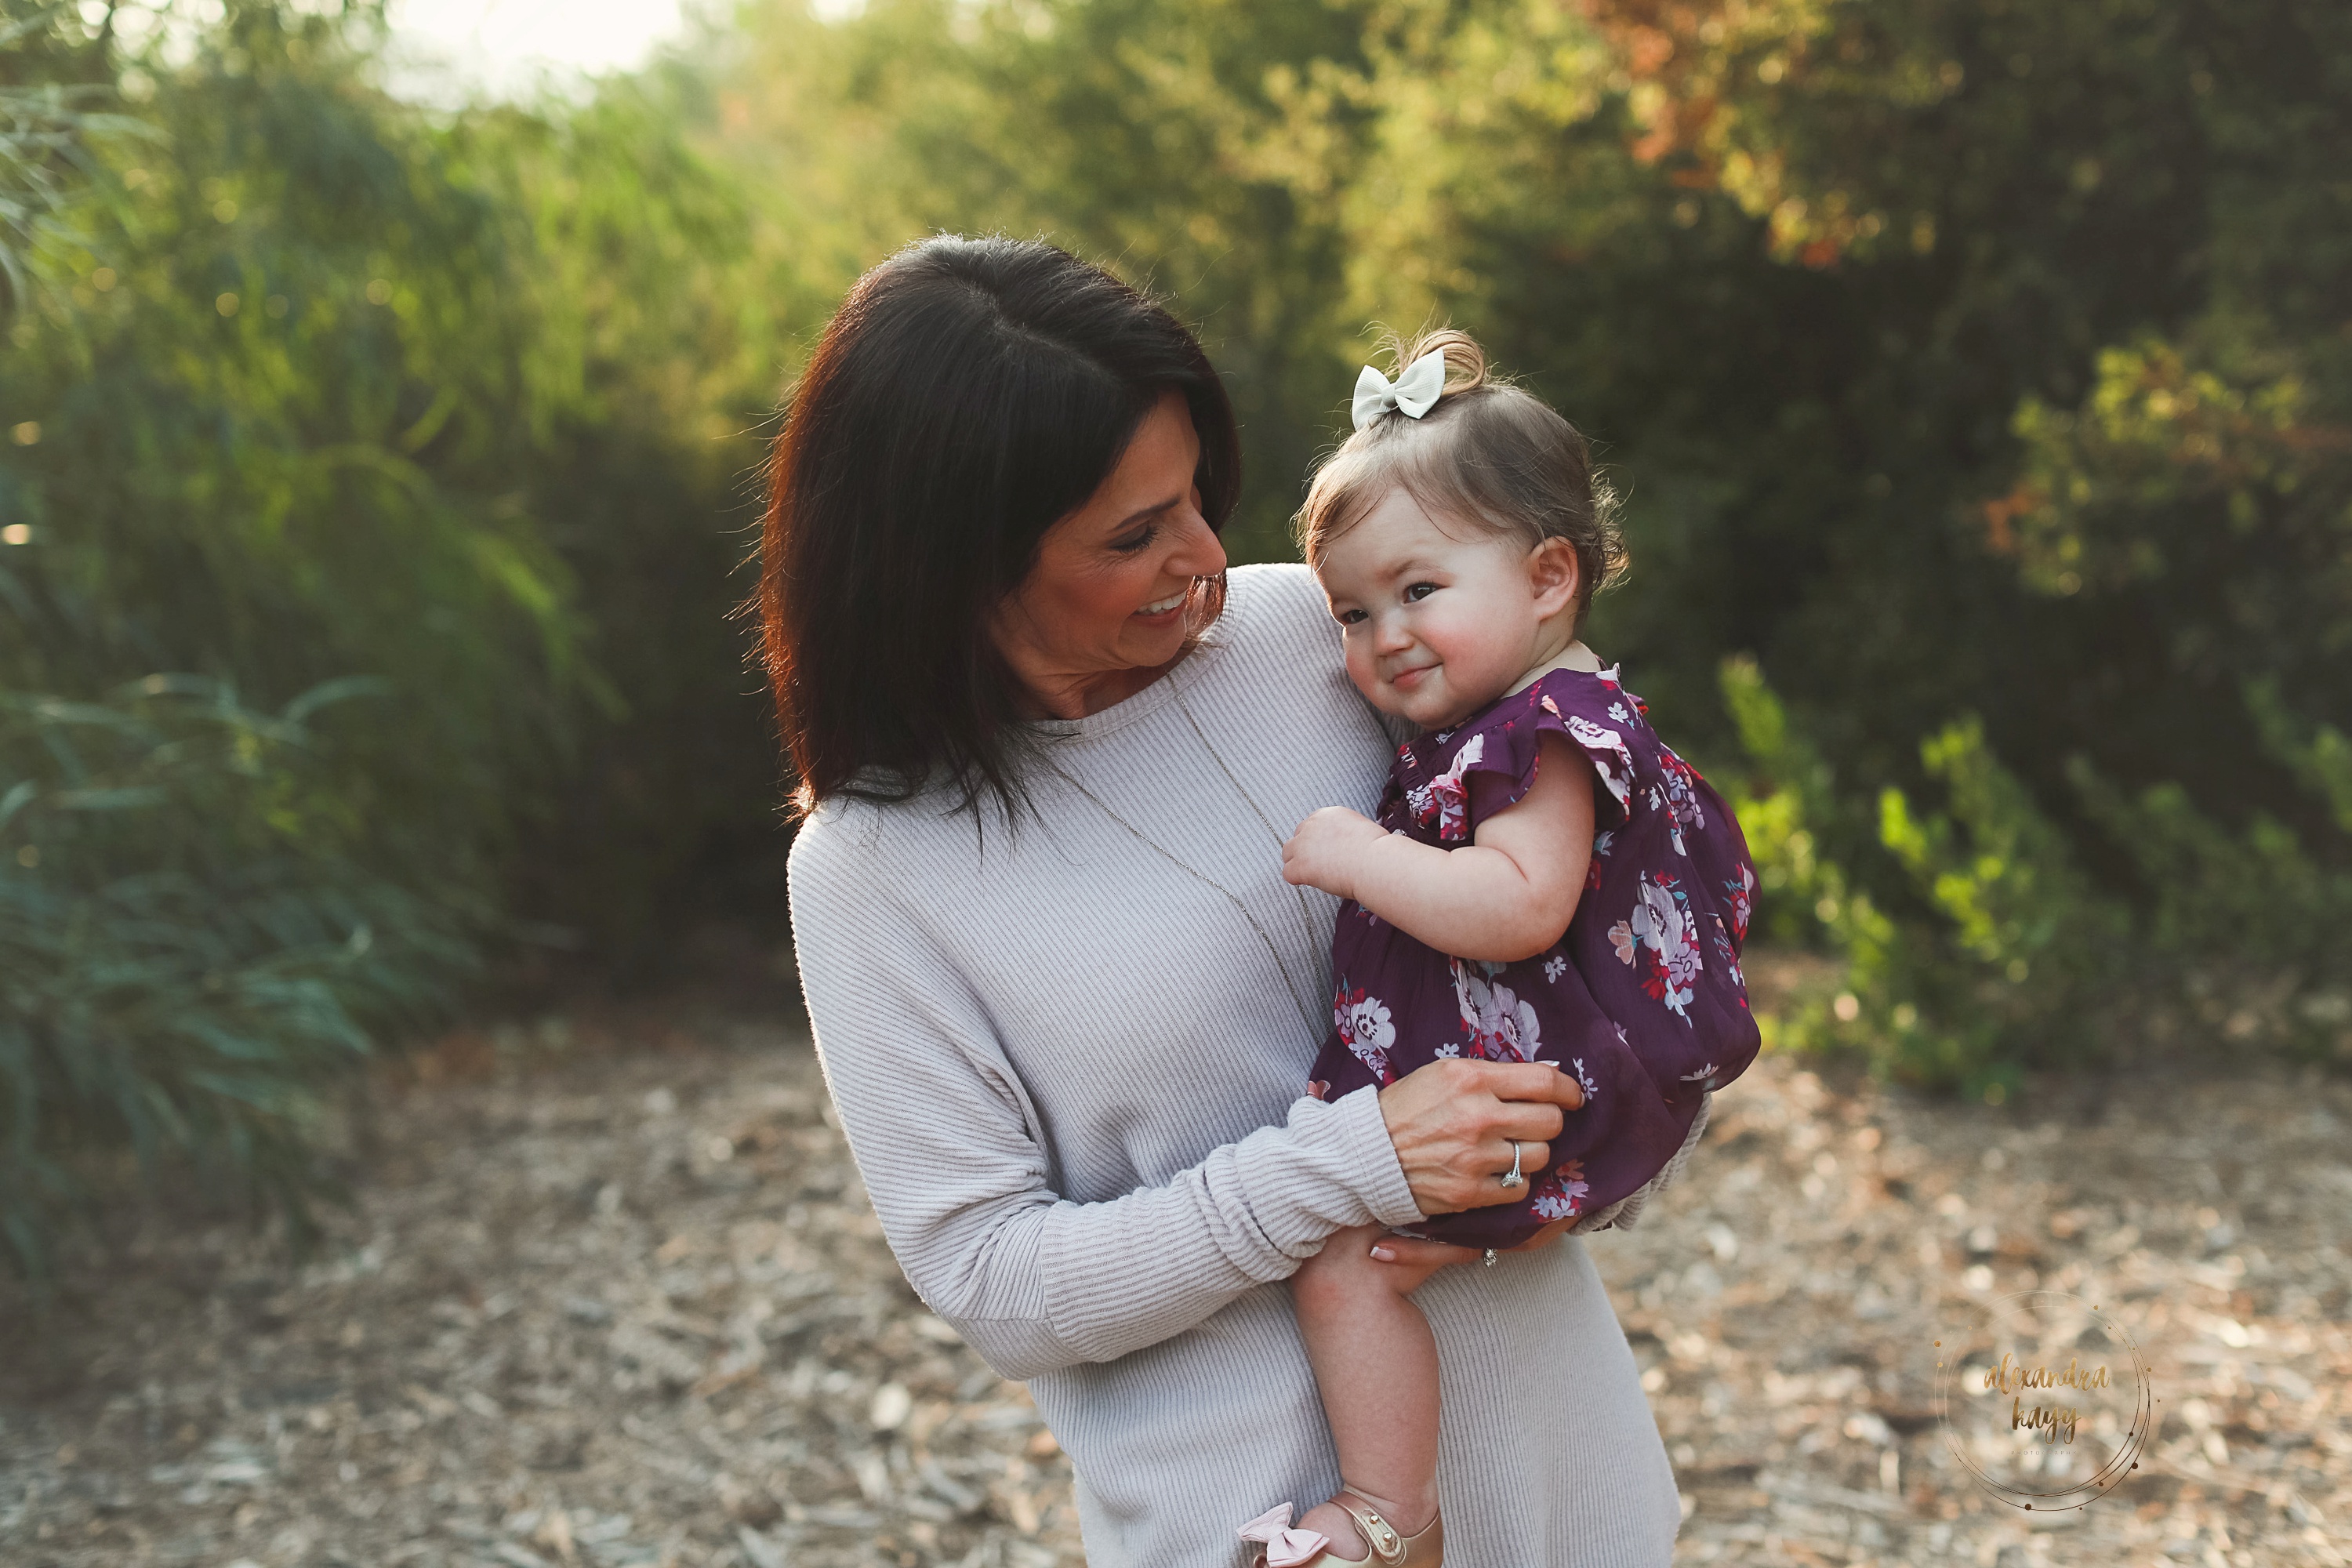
[(609, 1296)]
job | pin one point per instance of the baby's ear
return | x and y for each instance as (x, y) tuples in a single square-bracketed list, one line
[(1553, 574)]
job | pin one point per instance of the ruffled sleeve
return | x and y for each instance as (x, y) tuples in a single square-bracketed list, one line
[(1499, 760)]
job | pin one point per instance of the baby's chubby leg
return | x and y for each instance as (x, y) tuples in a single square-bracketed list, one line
[(1376, 1364)]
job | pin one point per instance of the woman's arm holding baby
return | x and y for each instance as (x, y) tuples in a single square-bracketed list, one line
[(1507, 895)]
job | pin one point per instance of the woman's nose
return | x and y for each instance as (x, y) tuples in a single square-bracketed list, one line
[(1199, 552)]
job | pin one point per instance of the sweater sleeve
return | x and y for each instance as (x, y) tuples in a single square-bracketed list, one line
[(949, 1147)]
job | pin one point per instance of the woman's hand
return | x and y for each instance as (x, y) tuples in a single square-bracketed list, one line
[(1423, 1256), (1325, 851), (1454, 1124)]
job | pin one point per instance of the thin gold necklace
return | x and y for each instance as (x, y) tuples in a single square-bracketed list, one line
[(1299, 894), (1306, 1013), (1289, 984)]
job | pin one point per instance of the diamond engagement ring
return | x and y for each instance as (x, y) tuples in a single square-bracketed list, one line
[(1511, 1178)]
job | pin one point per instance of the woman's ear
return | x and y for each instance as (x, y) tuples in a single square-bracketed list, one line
[(1553, 574)]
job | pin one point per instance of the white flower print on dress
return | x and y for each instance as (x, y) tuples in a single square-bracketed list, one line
[(1584, 1079), (1615, 767), (1562, 1192), (1554, 967), (1663, 936), (1502, 1027), (1443, 801), (1617, 712), (1680, 798), (1365, 1028)]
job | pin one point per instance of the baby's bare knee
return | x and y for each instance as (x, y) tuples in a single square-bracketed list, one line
[(1344, 1271)]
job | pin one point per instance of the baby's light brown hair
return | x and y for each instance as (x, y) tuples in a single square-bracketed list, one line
[(1489, 455)]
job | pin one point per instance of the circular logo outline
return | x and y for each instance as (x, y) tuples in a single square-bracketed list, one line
[(2118, 1466)]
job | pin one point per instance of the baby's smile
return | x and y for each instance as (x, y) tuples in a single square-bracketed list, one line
[(1436, 621)]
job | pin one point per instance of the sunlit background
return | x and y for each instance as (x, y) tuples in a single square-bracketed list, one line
[(508, 46), (384, 398), (389, 804)]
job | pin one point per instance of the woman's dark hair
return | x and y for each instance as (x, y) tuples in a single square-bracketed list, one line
[(968, 394)]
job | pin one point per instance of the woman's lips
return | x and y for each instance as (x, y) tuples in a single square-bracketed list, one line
[(1167, 607)]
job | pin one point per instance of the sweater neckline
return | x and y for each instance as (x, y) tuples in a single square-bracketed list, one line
[(1184, 674)]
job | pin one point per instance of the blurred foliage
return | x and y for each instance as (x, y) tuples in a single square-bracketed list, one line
[(303, 385), (1999, 953), (1979, 369), (188, 947)]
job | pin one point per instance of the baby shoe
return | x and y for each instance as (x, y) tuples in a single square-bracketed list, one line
[(1283, 1547)]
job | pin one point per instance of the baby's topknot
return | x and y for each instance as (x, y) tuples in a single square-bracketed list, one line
[(1465, 361)]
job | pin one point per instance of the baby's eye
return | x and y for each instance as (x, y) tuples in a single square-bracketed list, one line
[(1418, 592), (1347, 617)]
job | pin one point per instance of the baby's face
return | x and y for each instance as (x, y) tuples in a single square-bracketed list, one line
[(1436, 624)]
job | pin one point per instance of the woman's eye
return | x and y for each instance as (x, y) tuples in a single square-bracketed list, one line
[(1135, 541), (1418, 592)]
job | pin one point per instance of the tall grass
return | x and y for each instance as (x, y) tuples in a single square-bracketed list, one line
[(188, 952)]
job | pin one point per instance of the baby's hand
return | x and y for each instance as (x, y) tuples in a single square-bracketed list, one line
[(1326, 850)]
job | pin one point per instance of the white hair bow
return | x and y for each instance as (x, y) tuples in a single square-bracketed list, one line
[(1415, 392)]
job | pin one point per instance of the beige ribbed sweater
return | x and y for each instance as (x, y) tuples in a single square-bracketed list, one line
[(1070, 1067)]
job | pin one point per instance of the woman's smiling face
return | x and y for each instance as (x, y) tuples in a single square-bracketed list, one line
[(1118, 588), (1437, 623)]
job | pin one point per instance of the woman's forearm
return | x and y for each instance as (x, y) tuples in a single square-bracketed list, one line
[(948, 1144), (1115, 1277)]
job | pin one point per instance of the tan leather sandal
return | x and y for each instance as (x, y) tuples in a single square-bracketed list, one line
[(1283, 1547)]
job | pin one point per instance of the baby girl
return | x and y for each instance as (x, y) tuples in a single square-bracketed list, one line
[(1546, 882)]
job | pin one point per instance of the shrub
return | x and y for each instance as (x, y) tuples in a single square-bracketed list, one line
[(307, 384), (188, 950), (1992, 951)]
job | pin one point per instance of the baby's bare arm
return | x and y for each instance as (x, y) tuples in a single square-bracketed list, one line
[(1507, 895)]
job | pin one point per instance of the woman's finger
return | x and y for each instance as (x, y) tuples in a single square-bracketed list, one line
[(1406, 1252), (1516, 1119), (1539, 1081), (1447, 1122), (1480, 1185)]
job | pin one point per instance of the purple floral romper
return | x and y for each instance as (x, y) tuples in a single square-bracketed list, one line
[(1641, 999)]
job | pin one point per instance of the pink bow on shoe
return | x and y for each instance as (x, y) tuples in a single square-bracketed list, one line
[(1285, 1547)]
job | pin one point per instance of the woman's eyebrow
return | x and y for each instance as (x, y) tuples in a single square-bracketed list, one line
[(1154, 509)]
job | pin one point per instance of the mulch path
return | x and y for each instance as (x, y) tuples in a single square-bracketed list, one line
[(609, 1294)]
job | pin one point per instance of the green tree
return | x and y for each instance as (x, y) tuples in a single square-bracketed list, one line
[(1977, 365), (334, 389)]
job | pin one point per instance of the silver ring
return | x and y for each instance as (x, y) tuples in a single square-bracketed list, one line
[(1511, 1178), (1490, 1257)]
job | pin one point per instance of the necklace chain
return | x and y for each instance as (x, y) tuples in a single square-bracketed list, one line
[(1289, 984), (1299, 894)]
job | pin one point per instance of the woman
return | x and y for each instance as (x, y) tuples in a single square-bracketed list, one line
[(1049, 750)]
